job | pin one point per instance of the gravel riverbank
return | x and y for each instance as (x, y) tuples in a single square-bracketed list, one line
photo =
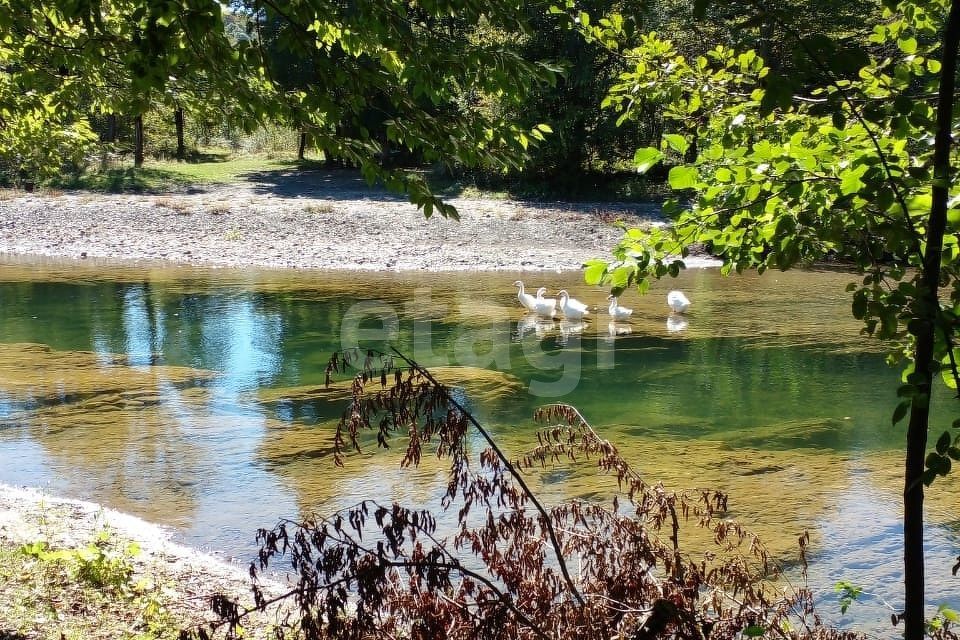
[(322, 220)]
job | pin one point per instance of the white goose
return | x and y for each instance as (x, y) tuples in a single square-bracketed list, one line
[(525, 299), (544, 306), (616, 311), (677, 301), (572, 308)]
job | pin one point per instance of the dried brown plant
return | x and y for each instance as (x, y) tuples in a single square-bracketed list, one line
[(514, 567)]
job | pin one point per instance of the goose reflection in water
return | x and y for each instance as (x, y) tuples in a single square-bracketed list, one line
[(536, 324), (615, 329), (569, 328), (676, 323)]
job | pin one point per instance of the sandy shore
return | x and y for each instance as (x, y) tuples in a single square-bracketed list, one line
[(327, 220)]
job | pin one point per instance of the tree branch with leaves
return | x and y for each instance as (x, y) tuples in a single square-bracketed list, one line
[(857, 168)]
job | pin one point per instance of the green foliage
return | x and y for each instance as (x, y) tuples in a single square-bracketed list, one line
[(780, 181), (855, 164), (60, 62), (99, 574), (96, 564), (849, 593), (942, 623)]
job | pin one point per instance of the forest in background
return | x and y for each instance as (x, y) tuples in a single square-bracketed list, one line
[(261, 88)]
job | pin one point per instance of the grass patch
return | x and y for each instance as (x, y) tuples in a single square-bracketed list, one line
[(320, 208), (128, 180), (88, 592), (67, 574), (161, 176), (225, 170)]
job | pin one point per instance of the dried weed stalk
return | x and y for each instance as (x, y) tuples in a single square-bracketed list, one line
[(514, 568)]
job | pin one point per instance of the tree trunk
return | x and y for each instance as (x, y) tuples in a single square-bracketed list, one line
[(178, 120), (923, 354), (138, 141), (303, 145), (111, 128)]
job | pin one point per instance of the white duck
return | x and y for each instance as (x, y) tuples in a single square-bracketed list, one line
[(616, 311), (525, 299), (572, 308), (677, 301), (544, 306), (614, 329)]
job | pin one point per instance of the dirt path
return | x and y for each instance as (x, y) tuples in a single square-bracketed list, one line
[(328, 220)]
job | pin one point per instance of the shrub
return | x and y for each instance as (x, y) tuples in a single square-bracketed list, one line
[(514, 567)]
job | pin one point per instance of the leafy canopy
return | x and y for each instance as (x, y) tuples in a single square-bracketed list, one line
[(61, 61)]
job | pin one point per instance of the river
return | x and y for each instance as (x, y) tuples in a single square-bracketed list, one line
[(193, 398)]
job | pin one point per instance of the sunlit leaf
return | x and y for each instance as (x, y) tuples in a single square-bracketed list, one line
[(594, 271), (683, 177), (646, 158), (676, 142)]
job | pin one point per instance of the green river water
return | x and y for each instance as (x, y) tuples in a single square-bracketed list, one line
[(190, 397)]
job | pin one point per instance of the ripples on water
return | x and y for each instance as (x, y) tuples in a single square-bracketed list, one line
[(194, 398)]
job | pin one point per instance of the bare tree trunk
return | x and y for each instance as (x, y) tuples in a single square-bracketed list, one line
[(138, 141), (302, 148), (923, 354), (178, 120)]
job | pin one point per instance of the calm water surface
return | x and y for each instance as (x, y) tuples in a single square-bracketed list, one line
[(192, 398)]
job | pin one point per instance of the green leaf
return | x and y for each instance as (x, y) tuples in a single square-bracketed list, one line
[(946, 371), (646, 158), (594, 272), (676, 142), (901, 411), (908, 45), (850, 182), (754, 631), (683, 178), (949, 614), (943, 443), (622, 275)]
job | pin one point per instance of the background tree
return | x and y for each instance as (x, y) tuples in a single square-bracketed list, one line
[(401, 52)]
